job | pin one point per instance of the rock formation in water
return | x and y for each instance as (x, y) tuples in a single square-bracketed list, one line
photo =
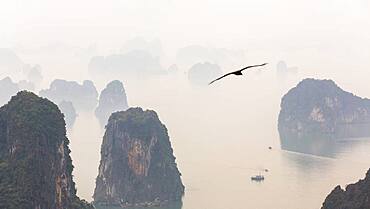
[(355, 196), (69, 112), (321, 107), (112, 98), (137, 164), (7, 89), (35, 165), (136, 63), (203, 73), (84, 97)]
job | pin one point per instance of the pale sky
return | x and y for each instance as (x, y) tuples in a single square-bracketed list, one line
[(328, 34), (225, 21), (323, 38)]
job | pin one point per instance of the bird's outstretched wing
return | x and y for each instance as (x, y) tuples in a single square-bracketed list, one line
[(252, 66), (220, 78), (237, 71)]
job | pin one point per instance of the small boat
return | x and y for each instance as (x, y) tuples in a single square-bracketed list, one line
[(258, 178)]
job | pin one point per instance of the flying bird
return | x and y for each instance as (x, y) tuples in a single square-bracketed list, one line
[(238, 72)]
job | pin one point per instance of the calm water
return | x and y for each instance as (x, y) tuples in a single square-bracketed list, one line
[(220, 135)]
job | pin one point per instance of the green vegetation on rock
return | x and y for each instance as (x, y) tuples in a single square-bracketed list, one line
[(35, 165), (137, 166), (320, 106)]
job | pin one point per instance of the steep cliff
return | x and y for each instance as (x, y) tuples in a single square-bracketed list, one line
[(137, 165), (113, 98), (320, 106), (356, 196), (35, 166)]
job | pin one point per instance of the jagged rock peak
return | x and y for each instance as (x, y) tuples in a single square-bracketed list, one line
[(35, 165), (113, 98), (321, 106), (137, 166), (355, 196)]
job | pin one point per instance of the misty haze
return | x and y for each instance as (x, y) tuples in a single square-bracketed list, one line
[(107, 104)]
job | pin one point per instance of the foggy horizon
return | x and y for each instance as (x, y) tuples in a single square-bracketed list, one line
[(165, 53)]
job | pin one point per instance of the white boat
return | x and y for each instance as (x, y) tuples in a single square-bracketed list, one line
[(258, 178)]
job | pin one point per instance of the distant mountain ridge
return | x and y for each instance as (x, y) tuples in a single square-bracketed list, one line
[(83, 96)]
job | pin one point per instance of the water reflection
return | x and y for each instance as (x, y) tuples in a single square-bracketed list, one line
[(352, 131), (314, 144), (171, 205), (323, 144)]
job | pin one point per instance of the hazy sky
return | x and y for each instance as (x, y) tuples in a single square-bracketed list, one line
[(315, 35), (323, 38), (214, 21)]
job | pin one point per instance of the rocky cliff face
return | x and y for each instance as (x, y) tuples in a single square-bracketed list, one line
[(35, 166), (137, 165), (356, 196), (112, 98), (320, 106)]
